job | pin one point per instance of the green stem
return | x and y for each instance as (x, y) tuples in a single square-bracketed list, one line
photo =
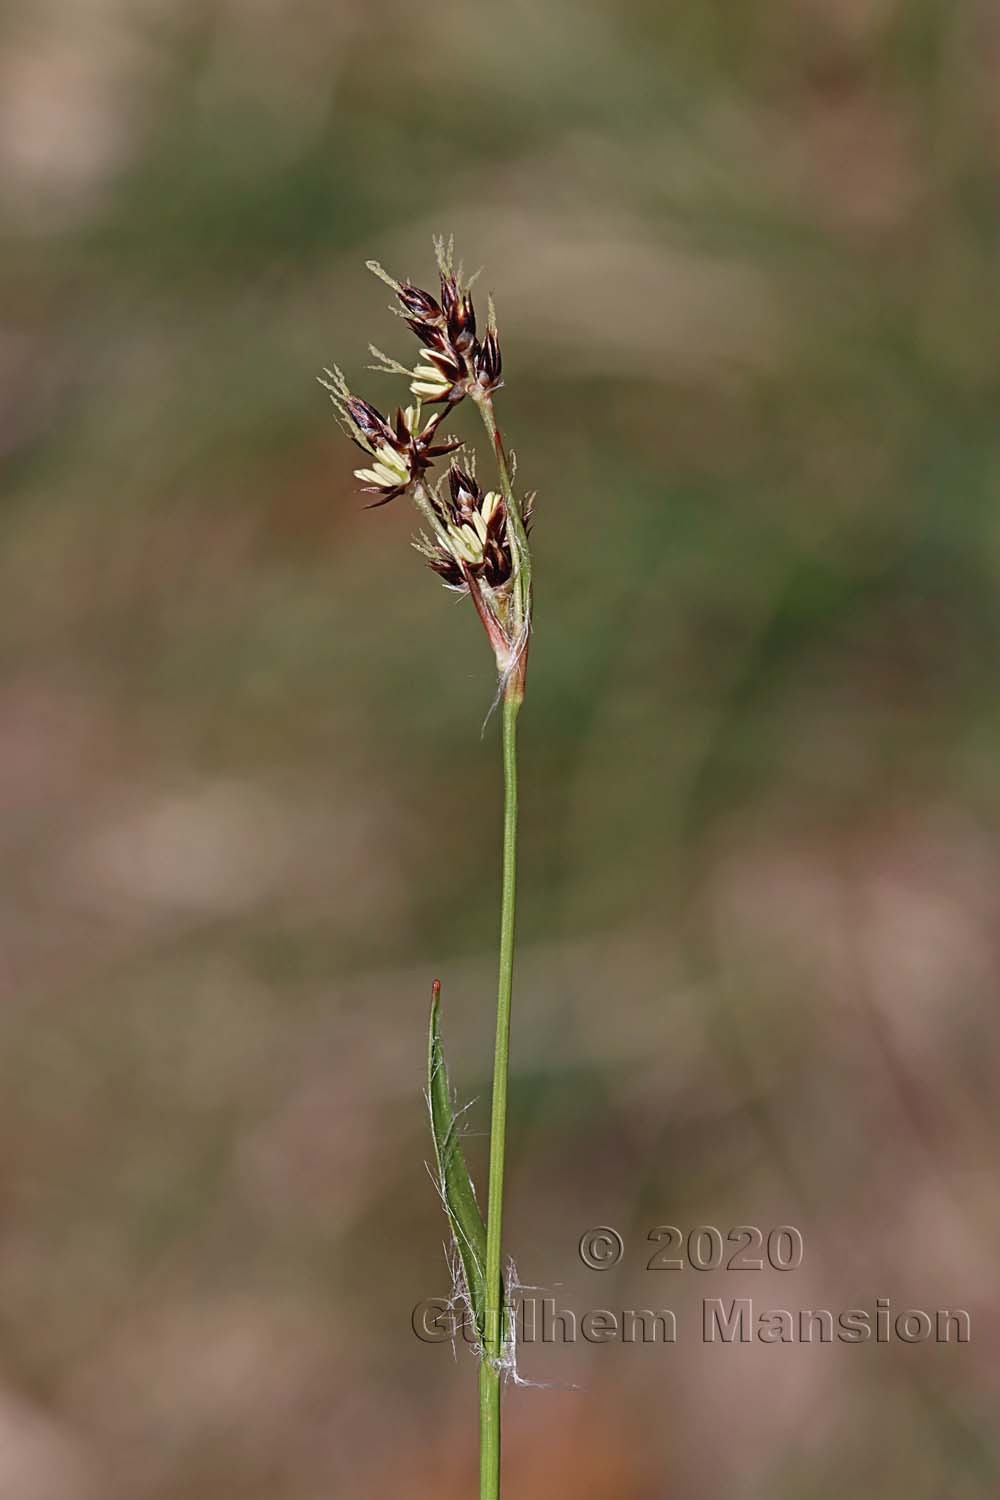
[(489, 1368)]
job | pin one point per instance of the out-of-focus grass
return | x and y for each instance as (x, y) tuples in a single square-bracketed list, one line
[(744, 262)]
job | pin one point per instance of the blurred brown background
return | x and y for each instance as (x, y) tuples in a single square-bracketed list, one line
[(745, 260)]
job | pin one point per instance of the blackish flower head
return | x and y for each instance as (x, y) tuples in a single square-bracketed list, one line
[(475, 541), (401, 449), (471, 534), (448, 335), (446, 329)]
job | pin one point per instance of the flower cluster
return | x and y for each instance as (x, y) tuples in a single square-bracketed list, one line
[(401, 451), (477, 541), (470, 532), (453, 357)]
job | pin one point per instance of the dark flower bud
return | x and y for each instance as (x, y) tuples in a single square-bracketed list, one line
[(428, 333), (368, 420), (487, 361), (418, 304), (465, 492), (462, 325), (449, 294), (449, 569)]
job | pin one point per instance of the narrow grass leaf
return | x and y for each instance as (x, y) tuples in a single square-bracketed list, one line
[(457, 1192)]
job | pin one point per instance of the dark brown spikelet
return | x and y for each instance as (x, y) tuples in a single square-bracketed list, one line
[(487, 361), (460, 315), (418, 449), (497, 566), (418, 305), (465, 493), (448, 569), (427, 333), (369, 421), (464, 499), (447, 331), (446, 343)]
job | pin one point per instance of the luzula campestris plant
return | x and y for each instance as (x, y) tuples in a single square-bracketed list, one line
[(477, 542)]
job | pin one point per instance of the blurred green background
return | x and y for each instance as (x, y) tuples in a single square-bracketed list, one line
[(745, 263)]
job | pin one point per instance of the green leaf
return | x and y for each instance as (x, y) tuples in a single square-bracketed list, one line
[(457, 1192)]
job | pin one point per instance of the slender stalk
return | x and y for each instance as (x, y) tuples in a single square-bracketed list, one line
[(489, 1369), (478, 544), (489, 1431)]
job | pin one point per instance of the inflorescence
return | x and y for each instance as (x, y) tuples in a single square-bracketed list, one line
[(477, 542)]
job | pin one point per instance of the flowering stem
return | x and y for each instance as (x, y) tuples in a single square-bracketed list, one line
[(478, 544), (490, 1372)]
